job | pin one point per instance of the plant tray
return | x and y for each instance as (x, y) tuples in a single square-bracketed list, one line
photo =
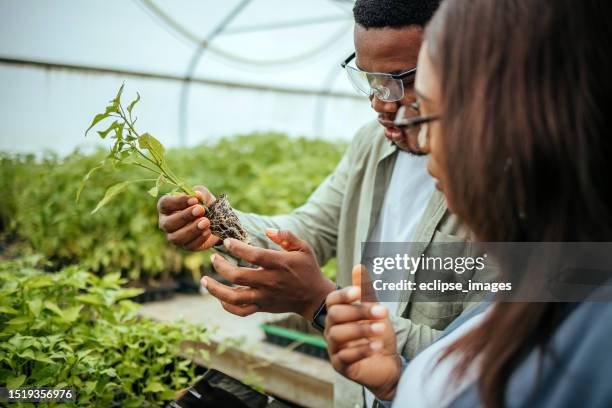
[(296, 333)]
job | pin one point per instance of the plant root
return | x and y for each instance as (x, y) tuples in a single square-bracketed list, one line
[(224, 222)]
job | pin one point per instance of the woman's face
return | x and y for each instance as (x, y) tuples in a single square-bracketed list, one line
[(428, 95)]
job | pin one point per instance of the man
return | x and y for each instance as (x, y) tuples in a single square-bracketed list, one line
[(380, 191)]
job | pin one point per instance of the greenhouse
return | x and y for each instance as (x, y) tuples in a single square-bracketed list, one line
[(332, 203), (239, 93)]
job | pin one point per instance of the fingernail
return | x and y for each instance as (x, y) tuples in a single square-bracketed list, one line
[(197, 211), (212, 258), (192, 201), (354, 292), (204, 283), (202, 225), (378, 311), (271, 231), (227, 243), (376, 345), (377, 327)]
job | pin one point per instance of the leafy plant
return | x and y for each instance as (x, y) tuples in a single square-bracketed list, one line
[(146, 152), (264, 173), (74, 329)]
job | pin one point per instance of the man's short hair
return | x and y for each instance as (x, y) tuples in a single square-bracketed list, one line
[(394, 13)]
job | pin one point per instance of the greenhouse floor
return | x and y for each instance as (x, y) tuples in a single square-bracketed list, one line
[(281, 372)]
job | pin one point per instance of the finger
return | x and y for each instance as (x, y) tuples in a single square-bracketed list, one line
[(196, 244), (368, 293), (355, 343), (352, 355), (235, 296), (356, 275), (204, 195), (268, 258), (186, 234), (168, 204), (287, 240), (361, 278), (211, 241), (204, 224), (337, 314), (177, 220), (238, 275), (344, 296), (244, 310), (202, 242), (343, 333)]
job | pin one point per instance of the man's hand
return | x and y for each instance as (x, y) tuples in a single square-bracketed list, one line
[(183, 221), (285, 281), (361, 342)]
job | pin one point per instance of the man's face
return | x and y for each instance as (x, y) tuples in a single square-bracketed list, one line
[(390, 50)]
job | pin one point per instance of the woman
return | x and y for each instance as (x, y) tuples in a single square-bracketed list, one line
[(514, 98)]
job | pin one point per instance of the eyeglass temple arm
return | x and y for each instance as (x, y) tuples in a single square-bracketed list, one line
[(346, 61), (416, 121)]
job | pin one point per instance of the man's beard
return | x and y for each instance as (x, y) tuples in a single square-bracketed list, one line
[(416, 153)]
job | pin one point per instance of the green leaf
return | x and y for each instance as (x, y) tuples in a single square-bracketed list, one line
[(154, 146), (35, 306), (96, 119), (90, 298), (42, 357), (104, 133), (134, 102), (19, 320), (53, 307), (117, 99), (15, 382), (112, 279), (119, 131), (111, 192), (27, 354), (90, 386), (40, 281), (154, 191), (154, 387), (72, 313), (87, 177), (110, 372), (128, 293), (8, 310)]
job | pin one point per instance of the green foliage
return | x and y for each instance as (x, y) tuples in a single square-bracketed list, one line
[(266, 173), (74, 329), (132, 149)]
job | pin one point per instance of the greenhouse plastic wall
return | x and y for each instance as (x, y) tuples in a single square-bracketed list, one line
[(50, 109)]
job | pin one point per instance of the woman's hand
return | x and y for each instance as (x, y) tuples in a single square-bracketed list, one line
[(361, 342)]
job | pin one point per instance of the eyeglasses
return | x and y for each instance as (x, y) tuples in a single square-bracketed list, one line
[(407, 122), (386, 87)]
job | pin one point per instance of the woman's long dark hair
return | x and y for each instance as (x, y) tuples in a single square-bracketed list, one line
[(527, 89)]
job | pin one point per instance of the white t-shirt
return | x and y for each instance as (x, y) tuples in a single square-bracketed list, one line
[(406, 198), (427, 384)]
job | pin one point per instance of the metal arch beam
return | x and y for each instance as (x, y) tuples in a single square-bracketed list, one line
[(284, 24), (193, 63), (50, 65)]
